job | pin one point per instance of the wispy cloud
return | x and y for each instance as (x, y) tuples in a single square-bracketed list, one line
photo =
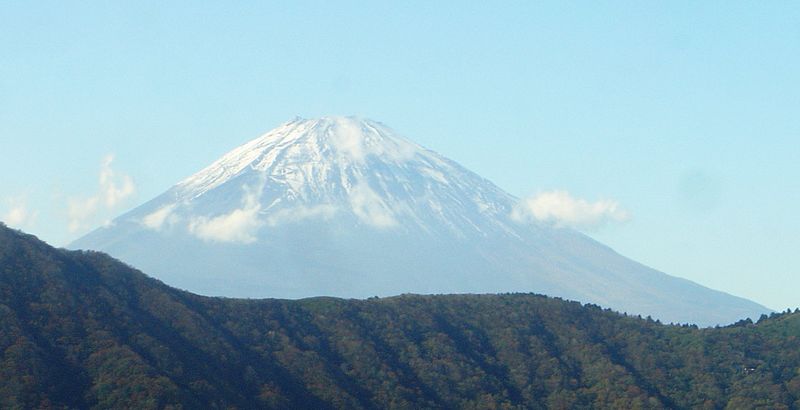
[(18, 214), (370, 208), (159, 217), (238, 226), (113, 190), (299, 213), (562, 209), (357, 140)]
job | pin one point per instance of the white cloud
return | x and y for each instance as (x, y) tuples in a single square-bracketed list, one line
[(113, 190), (561, 208), (369, 208), (18, 215), (357, 140), (300, 213), (237, 226), (81, 211), (348, 138), (157, 219)]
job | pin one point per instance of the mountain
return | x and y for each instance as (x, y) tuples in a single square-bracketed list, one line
[(82, 330), (346, 207)]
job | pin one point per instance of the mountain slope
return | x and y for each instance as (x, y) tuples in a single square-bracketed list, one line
[(82, 330), (346, 207)]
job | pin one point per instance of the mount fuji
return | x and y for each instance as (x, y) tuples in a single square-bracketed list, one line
[(342, 206)]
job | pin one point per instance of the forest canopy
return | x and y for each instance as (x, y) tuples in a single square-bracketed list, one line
[(80, 329)]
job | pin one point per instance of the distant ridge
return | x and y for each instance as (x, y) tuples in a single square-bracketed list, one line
[(343, 206)]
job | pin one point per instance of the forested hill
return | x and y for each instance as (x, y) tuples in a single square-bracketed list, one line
[(82, 330)]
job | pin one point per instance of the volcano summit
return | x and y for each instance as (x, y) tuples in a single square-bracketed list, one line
[(346, 207)]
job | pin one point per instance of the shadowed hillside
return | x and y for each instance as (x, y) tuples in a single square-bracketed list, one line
[(83, 330)]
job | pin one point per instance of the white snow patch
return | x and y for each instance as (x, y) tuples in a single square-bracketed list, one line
[(436, 175)]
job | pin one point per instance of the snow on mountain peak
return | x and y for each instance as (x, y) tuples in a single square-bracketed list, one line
[(317, 169), (343, 140)]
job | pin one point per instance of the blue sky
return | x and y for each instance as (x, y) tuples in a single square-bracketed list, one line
[(687, 114)]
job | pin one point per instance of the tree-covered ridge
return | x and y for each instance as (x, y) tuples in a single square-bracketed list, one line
[(83, 330)]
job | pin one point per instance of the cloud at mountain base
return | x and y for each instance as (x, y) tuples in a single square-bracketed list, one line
[(157, 219), (302, 212), (370, 208), (562, 209), (237, 226)]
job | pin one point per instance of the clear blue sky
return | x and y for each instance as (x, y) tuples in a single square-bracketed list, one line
[(686, 113)]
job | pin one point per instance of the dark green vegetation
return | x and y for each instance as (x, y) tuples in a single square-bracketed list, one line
[(83, 330)]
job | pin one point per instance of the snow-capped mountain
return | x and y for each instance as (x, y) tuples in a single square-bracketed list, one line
[(346, 207), (344, 168)]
